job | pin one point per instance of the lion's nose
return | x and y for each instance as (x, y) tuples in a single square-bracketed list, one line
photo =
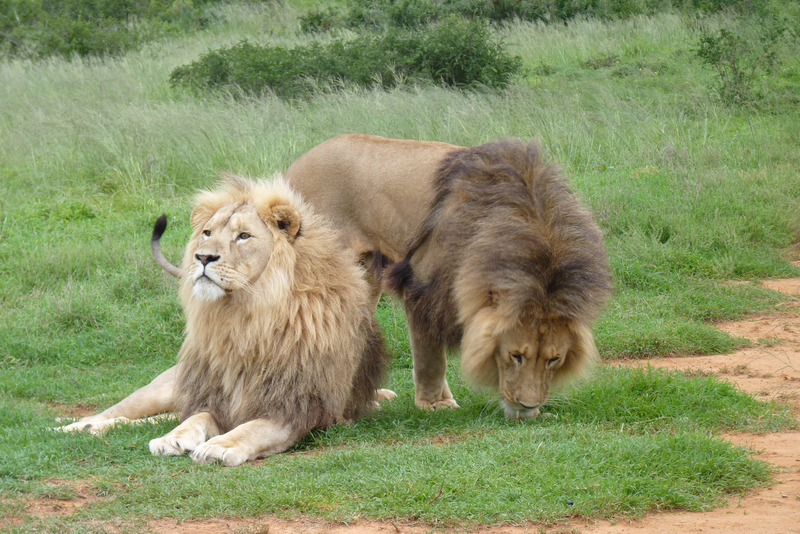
[(205, 259)]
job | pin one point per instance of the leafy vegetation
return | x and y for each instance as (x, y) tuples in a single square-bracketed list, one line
[(454, 52), (740, 55), (379, 14), (42, 28)]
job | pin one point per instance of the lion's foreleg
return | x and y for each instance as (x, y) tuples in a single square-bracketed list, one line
[(430, 370), (248, 441), (187, 436), (154, 398)]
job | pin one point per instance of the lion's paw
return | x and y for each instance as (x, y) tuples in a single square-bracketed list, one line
[(212, 450), (176, 443), (385, 394), (92, 426), (166, 446), (436, 404)]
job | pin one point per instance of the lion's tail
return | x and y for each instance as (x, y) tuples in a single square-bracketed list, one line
[(155, 246)]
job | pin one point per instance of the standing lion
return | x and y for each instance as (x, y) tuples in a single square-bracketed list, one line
[(280, 338), (508, 267)]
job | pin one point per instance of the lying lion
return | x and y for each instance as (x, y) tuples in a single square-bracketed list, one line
[(280, 338), (492, 254)]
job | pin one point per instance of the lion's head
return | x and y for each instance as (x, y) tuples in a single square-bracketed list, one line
[(509, 267), (523, 360)]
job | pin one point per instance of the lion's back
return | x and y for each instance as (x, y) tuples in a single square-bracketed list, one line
[(376, 190)]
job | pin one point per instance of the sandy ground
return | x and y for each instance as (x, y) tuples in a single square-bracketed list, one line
[(769, 369)]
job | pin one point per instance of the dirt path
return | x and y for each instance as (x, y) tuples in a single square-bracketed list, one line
[(769, 369)]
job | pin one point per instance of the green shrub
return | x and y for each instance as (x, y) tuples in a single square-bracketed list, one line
[(740, 55), (318, 20), (411, 14), (463, 53), (43, 28), (453, 52)]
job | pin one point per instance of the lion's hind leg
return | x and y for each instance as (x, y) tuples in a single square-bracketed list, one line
[(187, 436), (98, 425), (382, 395), (139, 406), (251, 440)]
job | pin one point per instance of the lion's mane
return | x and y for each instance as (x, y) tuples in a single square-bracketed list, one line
[(506, 242), (299, 345)]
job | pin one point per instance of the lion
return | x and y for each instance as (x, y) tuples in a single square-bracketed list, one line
[(280, 338), (515, 285), (508, 267)]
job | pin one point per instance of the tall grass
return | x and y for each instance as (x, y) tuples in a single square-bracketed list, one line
[(691, 193)]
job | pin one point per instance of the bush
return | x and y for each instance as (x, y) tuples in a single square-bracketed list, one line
[(409, 14), (739, 56), (42, 28), (319, 20), (453, 52), (460, 53)]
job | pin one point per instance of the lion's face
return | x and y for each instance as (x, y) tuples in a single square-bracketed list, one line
[(234, 244), (523, 358), (527, 358), (231, 251)]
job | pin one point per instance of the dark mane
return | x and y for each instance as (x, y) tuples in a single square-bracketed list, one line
[(503, 224)]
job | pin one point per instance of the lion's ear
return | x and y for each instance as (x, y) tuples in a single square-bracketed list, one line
[(287, 219)]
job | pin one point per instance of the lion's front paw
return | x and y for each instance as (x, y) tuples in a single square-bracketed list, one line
[(213, 450), (176, 442), (436, 404), (165, 446)]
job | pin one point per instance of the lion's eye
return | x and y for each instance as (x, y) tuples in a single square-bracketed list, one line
[(207, 233), (553, 361), (517, 357), (243, 236)]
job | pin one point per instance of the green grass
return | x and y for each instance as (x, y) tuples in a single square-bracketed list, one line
[(628, 442), (690, 193)]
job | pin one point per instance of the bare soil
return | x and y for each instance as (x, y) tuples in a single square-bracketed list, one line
[(769, 369)]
